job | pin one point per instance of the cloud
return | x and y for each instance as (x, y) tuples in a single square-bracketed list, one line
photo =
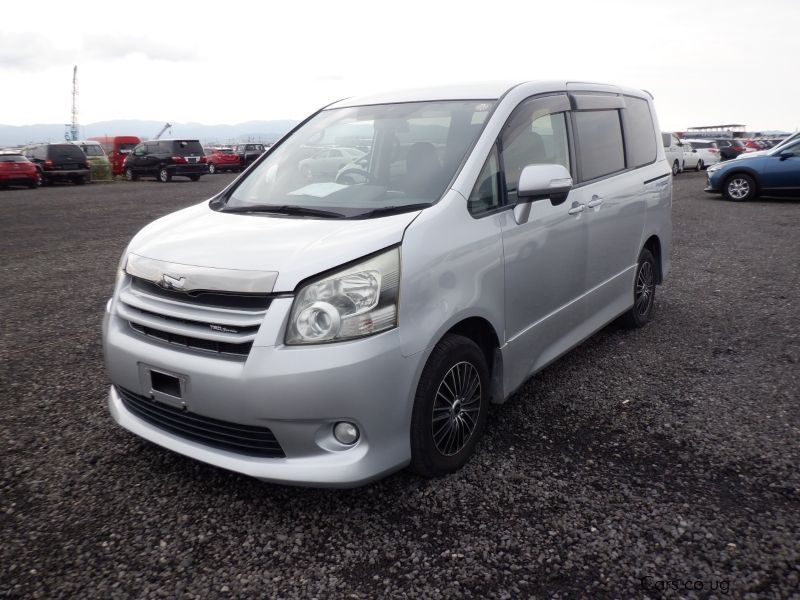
[(30, 51), (115, 46)]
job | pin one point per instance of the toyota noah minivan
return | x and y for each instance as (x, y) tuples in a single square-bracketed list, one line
[(327, 327)]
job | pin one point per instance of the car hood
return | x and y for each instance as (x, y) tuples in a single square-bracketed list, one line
[(751, 154), (295, 248)]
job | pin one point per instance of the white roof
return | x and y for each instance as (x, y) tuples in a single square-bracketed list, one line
[(490, 90), (467, 91)]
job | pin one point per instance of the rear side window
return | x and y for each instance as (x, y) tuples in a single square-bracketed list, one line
[(66, 151), (187, 148), (14, 158), (640, 137), (600, 147), (666, 139)]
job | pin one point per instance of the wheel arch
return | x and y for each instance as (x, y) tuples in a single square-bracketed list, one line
[(741, 170), (653, 244), (483, 333)]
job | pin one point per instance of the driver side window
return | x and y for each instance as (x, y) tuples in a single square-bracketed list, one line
[(530, 139)]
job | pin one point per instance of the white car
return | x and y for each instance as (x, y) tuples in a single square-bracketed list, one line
[(673, 149), (328, 161), (705, 151)]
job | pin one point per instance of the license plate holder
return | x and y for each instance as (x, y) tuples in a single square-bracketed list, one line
[(165, 386)]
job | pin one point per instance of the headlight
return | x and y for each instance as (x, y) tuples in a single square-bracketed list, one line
[(354, 302), (715, 167)]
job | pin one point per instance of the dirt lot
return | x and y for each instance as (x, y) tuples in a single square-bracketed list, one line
[(661, 462)]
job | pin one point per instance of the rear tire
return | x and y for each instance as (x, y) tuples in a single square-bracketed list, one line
[(740, 187), (450, 407), (212, 168), (644, 292), (194, 177), (130, 175), (164, 176), (676, 168), (36, 182), (699, 166)]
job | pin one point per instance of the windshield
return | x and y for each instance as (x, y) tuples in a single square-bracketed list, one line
[(125, 148), (362, 161)]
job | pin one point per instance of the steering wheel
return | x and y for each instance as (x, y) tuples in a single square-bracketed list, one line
[(353, 176)]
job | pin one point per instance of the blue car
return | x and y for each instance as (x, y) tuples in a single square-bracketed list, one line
[(776, 173)]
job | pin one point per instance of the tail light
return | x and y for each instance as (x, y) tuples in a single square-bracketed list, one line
[(48, 164), (178, 160), (203, 159), (713, 150)]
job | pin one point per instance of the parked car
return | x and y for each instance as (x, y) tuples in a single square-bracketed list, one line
[(706, 151), (327, 162), (729, 149), (222, 159), (248, 153), (117, 148), (62, 161), (784, 142), (323, 333), (673, 149), (691, 159), (99, 165), (15, 169), (165, 159), (776, 173)]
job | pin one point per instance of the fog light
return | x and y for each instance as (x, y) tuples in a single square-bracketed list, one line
[(345, 433)]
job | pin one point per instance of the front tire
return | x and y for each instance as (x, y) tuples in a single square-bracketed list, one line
[(676, 168), (164, 175), (699, 166), (450, 407), (130, 175), (644, 292), (740, 187)]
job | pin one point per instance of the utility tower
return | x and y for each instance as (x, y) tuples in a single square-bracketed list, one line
[(73, 130)]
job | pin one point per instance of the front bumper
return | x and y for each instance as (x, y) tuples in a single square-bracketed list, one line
[(299, 393)]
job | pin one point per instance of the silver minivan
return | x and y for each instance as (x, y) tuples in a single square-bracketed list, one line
[(326, 324)]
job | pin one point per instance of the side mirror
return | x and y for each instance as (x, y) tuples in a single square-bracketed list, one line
[(786, 154), (544, 182)]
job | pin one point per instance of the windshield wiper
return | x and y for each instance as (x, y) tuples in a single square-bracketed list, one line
[(391, 210), (284, 209)]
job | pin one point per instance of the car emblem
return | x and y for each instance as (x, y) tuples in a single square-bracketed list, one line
[(168, 282)]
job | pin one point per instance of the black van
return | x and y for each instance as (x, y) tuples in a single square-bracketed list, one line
[(59, 162), (163, 159)]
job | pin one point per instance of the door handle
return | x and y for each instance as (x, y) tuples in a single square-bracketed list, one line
[(577, 208), (595, 201)]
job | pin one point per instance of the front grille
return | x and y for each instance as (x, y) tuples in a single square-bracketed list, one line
[(193, 343), (204, 298), (233, 437), (217, 322)]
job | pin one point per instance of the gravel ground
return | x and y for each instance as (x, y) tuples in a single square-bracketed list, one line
[(642, 458)]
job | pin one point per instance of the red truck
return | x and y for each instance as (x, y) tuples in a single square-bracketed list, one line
[(117, 147)]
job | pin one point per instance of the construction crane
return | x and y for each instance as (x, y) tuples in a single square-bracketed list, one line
[(163, 129), (72, 133)]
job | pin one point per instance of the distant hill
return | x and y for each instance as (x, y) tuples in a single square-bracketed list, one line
[(256, 131)]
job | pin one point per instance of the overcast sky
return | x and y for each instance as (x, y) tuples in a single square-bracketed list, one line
[(228, 62)]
